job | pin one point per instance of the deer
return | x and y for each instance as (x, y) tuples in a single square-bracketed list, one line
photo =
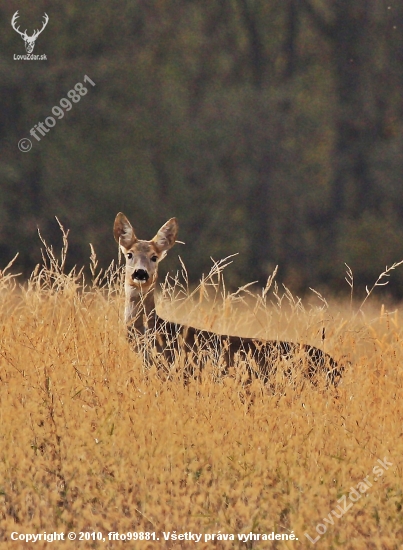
[(162, 342), (29, 40)]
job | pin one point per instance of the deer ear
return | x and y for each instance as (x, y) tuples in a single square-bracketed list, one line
[(166, 236), (123, 231)]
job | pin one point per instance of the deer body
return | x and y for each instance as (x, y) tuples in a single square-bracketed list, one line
[(164, 341)]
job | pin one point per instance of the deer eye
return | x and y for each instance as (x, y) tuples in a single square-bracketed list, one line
[(129, 255), (154, 258)]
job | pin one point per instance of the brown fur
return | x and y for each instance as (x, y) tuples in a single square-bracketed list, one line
[(162, 342)]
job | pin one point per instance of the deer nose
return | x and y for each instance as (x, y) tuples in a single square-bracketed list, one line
[(140, 275)]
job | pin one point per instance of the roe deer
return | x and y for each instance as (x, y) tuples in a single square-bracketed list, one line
[(165, 341)]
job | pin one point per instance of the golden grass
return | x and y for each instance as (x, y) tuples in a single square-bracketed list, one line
[(89, 442)]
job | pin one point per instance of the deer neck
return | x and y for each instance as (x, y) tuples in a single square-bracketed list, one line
[(140, 308)]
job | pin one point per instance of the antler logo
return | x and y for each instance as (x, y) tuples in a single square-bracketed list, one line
[(29, 40)]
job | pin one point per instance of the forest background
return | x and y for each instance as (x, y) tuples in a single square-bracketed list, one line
[(269, 128)]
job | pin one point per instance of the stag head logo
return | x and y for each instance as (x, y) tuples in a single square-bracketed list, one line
[(29, 40)]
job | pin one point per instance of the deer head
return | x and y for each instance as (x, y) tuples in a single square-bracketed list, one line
[(143, 257), (29, 40)]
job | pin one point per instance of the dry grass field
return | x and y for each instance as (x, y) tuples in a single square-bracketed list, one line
[(90, 443)]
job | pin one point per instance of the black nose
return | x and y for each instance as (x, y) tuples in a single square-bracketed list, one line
[(140, 275)]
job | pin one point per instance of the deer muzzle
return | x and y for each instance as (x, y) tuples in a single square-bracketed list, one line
[(140, 275)]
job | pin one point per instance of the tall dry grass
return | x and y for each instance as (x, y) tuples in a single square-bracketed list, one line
[(90, 442)]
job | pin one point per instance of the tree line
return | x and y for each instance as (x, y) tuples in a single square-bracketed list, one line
[(272, 129)]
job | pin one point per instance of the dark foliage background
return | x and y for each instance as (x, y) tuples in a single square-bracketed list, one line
[(272, 128)]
